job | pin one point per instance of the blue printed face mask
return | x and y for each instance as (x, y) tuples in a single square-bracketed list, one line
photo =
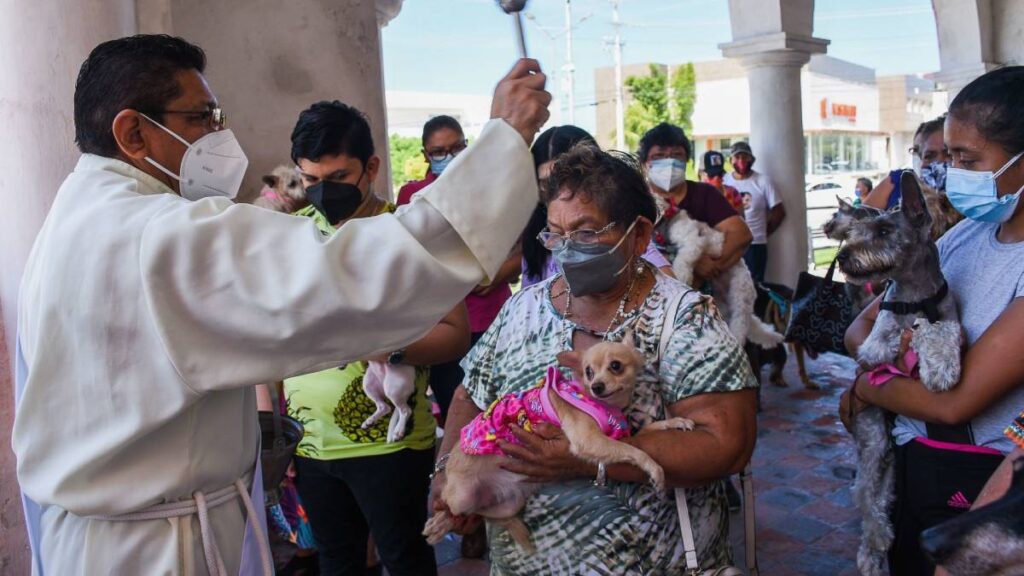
[(438, 166), (934, 175), (976, 196)]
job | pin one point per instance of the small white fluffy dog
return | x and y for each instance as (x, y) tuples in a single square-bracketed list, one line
[(734, 288), (390, 382)]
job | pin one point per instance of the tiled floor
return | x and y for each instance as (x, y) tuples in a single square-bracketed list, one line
[(803, 469)]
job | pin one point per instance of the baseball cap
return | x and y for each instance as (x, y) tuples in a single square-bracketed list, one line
[(714, 163), (741, 148)]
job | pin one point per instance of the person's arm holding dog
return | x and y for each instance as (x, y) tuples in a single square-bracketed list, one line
[(704, 377), (446, 342), (737, 240), (721, 444), (461, 412), (991, 369)]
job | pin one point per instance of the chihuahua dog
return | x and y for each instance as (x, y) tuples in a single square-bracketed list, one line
[(476, 484), (282, 191), (394, 383)]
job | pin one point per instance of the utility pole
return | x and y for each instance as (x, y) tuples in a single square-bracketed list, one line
[(620, 113), (569, 69)]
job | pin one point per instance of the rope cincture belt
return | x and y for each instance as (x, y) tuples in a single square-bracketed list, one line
[(930, 306), (200, 505)]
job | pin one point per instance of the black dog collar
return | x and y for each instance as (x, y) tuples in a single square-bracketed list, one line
[(930, 306)]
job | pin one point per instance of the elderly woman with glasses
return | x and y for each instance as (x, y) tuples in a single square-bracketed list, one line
[(599, 224)]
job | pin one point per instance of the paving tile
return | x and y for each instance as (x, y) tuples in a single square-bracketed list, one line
[(802, 528), (828, 512), (785, 497)]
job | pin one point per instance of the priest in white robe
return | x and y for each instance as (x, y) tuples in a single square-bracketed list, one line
[(146, 317)]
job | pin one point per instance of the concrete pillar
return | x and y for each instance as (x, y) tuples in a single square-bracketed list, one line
[(43, 45), (966, 50), (773, 41), (269, 60)]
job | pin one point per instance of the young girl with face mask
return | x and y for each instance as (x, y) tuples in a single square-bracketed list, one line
[(948, 444)]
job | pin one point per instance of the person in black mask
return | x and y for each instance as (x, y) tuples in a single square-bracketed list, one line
[(352, 482)]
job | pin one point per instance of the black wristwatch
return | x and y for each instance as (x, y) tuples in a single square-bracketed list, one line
[(396, 357)]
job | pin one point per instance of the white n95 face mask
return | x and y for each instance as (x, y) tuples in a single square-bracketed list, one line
[(212, 166), (666, 173)]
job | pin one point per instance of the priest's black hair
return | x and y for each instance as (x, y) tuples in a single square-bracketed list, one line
[(330, 129), (136, 72)]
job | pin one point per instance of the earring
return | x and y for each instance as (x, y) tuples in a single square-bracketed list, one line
[(640, 267)]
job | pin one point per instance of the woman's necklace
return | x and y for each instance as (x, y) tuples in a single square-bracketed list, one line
[(620, 315)]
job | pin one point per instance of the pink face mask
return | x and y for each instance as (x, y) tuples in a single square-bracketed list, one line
[(742, 165)]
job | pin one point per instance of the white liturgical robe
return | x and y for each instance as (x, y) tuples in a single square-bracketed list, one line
[(146, 319)]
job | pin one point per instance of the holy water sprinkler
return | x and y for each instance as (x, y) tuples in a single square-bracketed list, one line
[(515, 9)]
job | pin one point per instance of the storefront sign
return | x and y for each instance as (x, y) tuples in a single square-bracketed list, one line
[(834, 112)]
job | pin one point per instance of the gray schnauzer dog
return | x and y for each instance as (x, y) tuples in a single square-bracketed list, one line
[(896, 246)]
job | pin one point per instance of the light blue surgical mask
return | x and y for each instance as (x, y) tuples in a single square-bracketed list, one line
[(438, 166), (975, 195), (667, 173)]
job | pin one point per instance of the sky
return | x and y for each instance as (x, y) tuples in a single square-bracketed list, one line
[(465, 46)]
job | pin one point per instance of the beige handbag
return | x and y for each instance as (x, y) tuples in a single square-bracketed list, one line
[(746, 483)]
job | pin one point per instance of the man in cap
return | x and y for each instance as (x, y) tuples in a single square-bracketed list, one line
[(762, 206), (713, 172)]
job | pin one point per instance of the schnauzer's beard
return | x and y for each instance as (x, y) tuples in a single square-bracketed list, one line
[(865, 266)]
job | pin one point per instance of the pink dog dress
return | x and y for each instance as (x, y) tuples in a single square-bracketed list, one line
[(524, 409)]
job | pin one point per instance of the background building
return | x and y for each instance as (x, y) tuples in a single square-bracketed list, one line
[(407, 112), (854, 123)]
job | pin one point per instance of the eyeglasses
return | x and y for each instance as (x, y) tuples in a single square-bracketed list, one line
[(215, 117), (438, 154), (555, 241)]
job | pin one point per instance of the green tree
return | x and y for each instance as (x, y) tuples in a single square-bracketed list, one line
[(407, 161), (657, 98)]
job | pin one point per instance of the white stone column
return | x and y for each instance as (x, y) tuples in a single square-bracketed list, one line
[(43, 43), (773, 63), (269, 60), (966, 49)]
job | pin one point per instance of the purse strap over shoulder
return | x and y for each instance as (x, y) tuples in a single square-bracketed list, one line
[(746, 479)]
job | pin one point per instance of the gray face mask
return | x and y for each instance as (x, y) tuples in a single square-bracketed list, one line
[(592, 268)]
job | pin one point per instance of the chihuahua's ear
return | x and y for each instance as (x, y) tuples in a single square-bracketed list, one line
[(629, 339), (844, 206), (571, 360)]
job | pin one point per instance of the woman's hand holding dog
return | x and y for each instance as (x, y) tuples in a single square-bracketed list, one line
[(544, 456), (460, 524), (852, 401)]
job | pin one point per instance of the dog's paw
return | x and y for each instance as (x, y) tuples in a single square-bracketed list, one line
[(656, 475), (938, 347), (679, 423), (437, 526), (684, 424), (875, 352)]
